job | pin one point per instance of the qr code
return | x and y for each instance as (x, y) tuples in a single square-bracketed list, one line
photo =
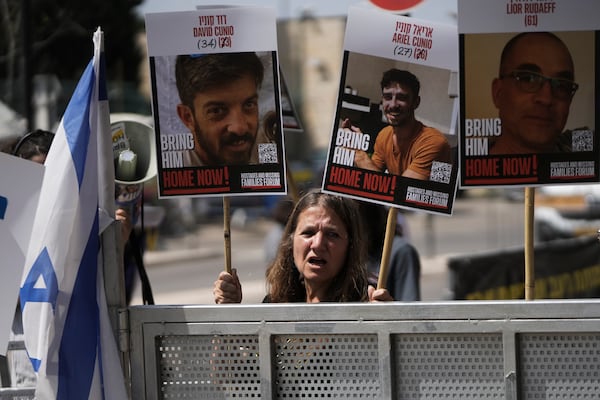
[(582, 140), (440, 172), (267, 153)]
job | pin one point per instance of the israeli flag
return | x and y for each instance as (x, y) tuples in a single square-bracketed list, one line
[(68, 335)]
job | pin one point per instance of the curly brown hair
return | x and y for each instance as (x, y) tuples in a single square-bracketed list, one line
[(284, 283)]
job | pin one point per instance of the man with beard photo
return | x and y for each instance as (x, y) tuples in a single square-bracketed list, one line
[(405, 147), (219, 105)]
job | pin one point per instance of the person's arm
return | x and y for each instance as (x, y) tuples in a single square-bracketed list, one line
[(227, 288), (361, 158), (123, 216), (409, 173)]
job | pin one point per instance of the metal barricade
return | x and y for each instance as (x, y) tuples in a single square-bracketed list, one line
[(9, 389), (451, 350), (17, 393)]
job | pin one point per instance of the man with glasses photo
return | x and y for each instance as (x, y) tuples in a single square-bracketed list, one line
[(533, 93)]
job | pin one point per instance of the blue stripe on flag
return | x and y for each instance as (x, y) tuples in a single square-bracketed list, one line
[(80, 341), (76, 120)]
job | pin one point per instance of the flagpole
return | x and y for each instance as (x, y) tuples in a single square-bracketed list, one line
[(112, 243)]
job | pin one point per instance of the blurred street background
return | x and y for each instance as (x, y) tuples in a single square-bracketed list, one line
[(184, 265)]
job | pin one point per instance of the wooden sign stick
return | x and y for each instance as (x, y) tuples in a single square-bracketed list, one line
[(529, 248), (227, 233), (390, 232)]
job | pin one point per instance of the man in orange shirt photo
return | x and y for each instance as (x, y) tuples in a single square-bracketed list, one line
[(406, 146)]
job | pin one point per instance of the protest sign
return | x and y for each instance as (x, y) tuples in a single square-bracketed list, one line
[(19, 195), (528, 112), (216, 102), (389, 146)]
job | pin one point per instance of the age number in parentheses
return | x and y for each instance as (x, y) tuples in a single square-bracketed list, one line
[(408, 52), (225, 41), (403, 51), (207, 44), (420, 54)]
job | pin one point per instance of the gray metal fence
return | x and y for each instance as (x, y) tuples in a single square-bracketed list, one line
[(448, 350)]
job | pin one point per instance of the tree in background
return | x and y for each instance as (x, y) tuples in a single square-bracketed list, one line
[(59, 35)]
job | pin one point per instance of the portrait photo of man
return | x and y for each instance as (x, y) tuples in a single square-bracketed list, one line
[(406, 146), (528, 92), (217, 109), (401, 142), (215, 86), (219, 96), (533, 93)]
